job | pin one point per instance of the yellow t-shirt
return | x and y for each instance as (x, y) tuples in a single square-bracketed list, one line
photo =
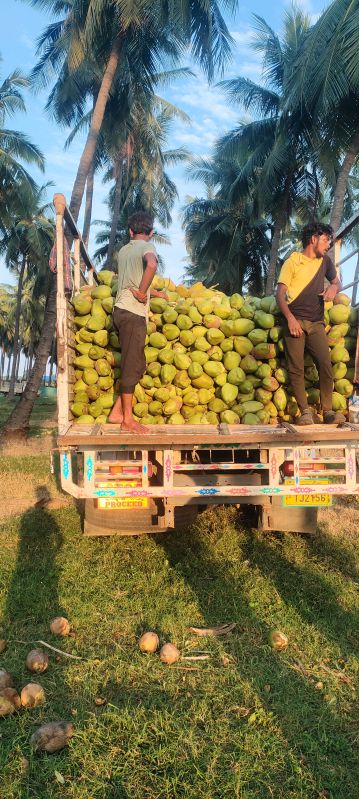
[(304, 279)]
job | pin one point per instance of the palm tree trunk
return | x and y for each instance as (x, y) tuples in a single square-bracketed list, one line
[(8, 366), (93, 134), (115, 215), (17, 328), (52, 360), (2, 363), (17, 364), (342, 182), (88, 204), (278, 227), (17, 424)]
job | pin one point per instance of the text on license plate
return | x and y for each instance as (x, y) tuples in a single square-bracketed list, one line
[(307, 500), (122, 503)]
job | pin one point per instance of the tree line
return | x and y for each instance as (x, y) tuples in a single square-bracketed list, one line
[(104, 65)]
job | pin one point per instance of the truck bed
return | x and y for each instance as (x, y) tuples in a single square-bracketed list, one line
[(195, 435)]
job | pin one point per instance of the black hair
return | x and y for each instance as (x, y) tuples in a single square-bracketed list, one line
[(140, 222), (315, 229)]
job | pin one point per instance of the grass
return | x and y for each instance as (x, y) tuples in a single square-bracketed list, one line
[(247, 723), (43, 414)]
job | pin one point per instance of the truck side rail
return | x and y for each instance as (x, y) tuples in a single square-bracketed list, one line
[(65, 326)]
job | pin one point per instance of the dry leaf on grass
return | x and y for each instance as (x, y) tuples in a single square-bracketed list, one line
[(221, 629)]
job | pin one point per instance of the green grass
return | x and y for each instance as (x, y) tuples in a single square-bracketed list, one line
[(248, 722), (43, 411)]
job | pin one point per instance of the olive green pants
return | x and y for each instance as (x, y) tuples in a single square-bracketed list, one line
[(314, 340)]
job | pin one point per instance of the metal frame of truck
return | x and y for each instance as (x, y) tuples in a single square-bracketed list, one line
[(176, 466)]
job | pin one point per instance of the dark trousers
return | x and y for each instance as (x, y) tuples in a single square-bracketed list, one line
[(315, 341), (131, 330)]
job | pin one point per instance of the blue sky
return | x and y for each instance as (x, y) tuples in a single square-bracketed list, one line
[(210, 114)]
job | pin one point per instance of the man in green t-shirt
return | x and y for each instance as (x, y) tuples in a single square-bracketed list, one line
[(137, 265)]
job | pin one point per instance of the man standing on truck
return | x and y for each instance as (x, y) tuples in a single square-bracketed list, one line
[(300, 297), (137, 265)]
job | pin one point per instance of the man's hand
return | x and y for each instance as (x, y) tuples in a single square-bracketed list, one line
[(330, 292), (141, 296), (161, 294), (294, 327)]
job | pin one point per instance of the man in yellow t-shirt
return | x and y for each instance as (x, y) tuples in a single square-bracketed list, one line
[(137, 265), (300, 297)]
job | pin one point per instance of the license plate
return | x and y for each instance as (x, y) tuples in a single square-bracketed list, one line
[(122, 503), (307, 500)]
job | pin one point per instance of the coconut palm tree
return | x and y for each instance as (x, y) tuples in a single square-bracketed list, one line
[(26, 246), (15, 150), (329, 91), (225, 246), (273, 153), (110, 33)]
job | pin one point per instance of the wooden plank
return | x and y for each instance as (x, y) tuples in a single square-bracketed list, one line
[(241, 435)]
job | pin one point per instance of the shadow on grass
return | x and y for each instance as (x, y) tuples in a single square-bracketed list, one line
[(31, 602), (315, 598), (315, 731), (36, 573)]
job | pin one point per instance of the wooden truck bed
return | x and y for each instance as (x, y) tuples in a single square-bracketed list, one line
[(188, 436)]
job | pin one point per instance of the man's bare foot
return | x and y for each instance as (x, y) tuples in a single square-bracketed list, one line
[(115, 418), (133, 427)]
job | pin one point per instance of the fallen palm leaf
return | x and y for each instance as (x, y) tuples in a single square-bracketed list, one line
[(53, 648), (338, 674), (222, 629)]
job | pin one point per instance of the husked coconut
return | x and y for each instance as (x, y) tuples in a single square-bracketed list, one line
[(12, 695), (6, 707), (3, 645), (37, 661), (149, 642), (52, 737), (278, 641), (6, 680), (32, 695), (169, 653), (60, 626)]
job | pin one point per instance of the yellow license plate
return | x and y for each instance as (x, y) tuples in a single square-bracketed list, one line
[(122, 503), (307, 500)]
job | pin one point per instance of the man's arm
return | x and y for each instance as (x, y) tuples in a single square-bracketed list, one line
[(332, 290), (149, 272), (293, 324)]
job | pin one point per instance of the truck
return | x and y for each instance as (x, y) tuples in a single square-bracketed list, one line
[(130, 484)]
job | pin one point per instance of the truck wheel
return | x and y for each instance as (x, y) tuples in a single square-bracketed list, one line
[(98, 522)]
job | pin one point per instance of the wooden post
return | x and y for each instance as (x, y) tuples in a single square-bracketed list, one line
[(63, 404), (77, 273), (337, 248)]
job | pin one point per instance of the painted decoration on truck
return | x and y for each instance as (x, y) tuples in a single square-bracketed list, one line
[(103, 493), (208, 491), (89, 468), (351, 466), (65, 466), (273, 465), (168, 468)]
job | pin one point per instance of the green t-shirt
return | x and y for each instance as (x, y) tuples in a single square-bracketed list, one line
[(130, 262)]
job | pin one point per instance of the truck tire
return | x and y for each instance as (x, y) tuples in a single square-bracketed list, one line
[(98, 522)]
